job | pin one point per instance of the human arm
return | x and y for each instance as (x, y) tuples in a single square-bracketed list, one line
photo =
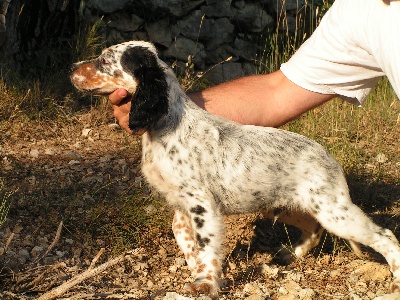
[(264, 100)]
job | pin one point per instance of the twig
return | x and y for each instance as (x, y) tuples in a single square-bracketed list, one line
[(42, 275), (58, 291), (9, 241), (96, 258), (55, 241)]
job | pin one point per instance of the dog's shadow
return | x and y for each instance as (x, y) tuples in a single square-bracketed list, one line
[(378, 199)]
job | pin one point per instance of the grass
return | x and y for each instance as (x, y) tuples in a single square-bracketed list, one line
[(4, 202)]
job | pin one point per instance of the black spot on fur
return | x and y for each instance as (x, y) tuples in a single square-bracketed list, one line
[(150, 102), (198, 210), (202, 241), (199, 222)]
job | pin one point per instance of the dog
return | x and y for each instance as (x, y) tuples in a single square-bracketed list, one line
[(206, 167)]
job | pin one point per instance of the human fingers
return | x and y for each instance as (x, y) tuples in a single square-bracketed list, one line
[(117, 96), (123, 122)]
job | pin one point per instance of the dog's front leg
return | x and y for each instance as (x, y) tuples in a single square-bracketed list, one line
[(207, 229), (183, 232)]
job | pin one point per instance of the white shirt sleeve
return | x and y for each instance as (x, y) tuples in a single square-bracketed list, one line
[(356, 43)]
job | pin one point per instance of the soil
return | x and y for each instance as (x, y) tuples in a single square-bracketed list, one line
[(88, 178)]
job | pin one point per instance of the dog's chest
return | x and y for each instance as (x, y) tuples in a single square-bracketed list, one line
[(168, 166)]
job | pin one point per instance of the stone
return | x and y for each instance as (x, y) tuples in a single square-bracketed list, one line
[(394, 296), (245, 49), (372, 271), (253, 18), (224, 72), (175, 296), (107, 6), (160, 32), (176, 8), (125, 22), (183, 47), (194, 26), (223, 32), (221, 8), (34, 153), (222, 53), (289, 5)]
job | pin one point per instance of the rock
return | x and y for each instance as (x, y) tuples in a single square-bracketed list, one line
[(269, 272), (220, 8), (223, 31), (175, 296), (287, 297), (288, 5), (85, 132), (381, 158), (176, 8), (253, 18), (394, 296), (245, 49), (180, 261), (307, 294), (23, 253), (107, 6), (183, 47), (160, 32), (372, 271), (114, 126), (49, 151), (71, 155), (224, 72), (34, 153), (255, 297), (194, 27), (256, 289), (36, 251), (125, 22)]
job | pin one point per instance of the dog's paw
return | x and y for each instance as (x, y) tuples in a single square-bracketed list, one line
[(285, 257), (202, 286)]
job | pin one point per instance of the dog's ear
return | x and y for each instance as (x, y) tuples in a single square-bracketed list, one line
[(150, 100)]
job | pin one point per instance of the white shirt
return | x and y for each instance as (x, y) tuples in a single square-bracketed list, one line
[(356, 43)]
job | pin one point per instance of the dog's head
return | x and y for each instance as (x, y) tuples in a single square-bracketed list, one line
[(135, 67)]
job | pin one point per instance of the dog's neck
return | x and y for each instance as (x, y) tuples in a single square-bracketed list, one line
[(178, 106)]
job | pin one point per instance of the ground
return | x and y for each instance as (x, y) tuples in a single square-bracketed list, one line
[(87, 176)]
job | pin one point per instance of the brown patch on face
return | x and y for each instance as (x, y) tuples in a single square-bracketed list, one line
[(88, 78)]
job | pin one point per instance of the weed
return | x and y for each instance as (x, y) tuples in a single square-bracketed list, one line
[(4, 202)]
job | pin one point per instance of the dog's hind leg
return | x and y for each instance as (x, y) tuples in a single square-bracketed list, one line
[(348, 221), (311, 232)]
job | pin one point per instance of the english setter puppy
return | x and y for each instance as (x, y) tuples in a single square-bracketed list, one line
[(206, 167)]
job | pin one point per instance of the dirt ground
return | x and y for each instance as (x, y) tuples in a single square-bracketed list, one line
[(88, 178)]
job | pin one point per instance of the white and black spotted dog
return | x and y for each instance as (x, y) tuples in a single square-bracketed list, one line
[(206, 166)]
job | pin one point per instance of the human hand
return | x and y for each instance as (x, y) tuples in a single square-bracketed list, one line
[(121, 104)]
